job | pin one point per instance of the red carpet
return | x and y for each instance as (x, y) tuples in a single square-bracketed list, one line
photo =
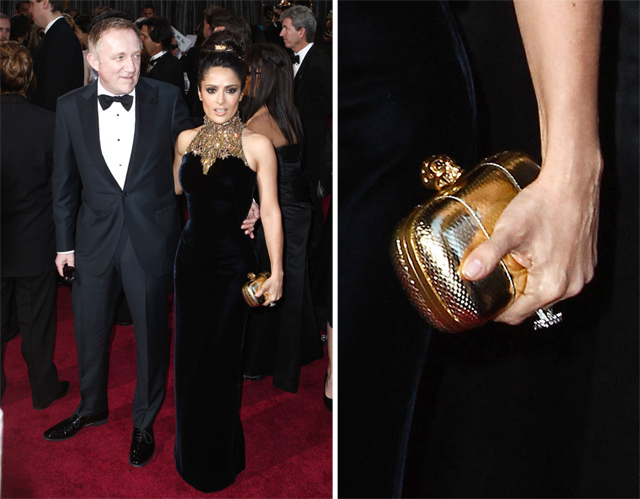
[(288, 437)]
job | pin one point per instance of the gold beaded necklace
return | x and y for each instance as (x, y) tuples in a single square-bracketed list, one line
[(215, 141)]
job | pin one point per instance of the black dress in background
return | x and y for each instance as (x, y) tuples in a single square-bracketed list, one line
[(212, 262), (283, 338), (405, 94)]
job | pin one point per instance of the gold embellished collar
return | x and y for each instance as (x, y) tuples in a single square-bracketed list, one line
[(218, 141)]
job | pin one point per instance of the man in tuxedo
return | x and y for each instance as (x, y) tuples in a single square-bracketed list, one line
[(57, 60), (312, 73), (163, 66), (114, 145)]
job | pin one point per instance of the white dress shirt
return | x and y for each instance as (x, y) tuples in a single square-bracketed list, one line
[(51, 24), (117, 128), (301, 55), (155, 57)]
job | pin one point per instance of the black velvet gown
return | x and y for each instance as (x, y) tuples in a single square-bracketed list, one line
[(212, 262), (281, 339)]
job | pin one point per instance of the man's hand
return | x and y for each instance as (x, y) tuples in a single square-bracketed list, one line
[(252, 217), (62, 259)]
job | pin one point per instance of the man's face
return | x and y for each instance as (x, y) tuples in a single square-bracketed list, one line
[(118, 60), (150, 47), (206, 29), (38, 12), (293, 39), (5, 29), (148, 12), (23, 9)]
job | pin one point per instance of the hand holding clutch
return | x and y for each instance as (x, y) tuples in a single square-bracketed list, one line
[(432, 241), (550, 228), (263, 289), (271, 290)]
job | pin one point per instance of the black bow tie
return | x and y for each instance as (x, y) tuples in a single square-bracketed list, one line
[(107, 100), (295, 58)]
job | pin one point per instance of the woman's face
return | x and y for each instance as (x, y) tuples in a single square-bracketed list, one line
[(220, 92), (81, 36)]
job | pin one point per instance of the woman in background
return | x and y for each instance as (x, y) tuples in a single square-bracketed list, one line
[(281, 340)]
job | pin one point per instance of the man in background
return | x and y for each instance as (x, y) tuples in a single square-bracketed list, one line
[(163, 66), (5, 27), (313, 93), (148, 11), (57, 60)]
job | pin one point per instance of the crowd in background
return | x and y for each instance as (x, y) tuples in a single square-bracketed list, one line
[(59, 53)]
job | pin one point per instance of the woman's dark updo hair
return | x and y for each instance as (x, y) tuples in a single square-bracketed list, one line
[(17, 69), (223, 49), (83, 21), (272, 86)]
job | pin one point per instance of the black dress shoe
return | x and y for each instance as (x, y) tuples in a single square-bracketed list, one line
[(123, 323), (69, 427), (64, 389), (257, 377), (143, 447)]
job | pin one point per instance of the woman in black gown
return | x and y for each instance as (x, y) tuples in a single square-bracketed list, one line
[(281, 340), (218, 166)]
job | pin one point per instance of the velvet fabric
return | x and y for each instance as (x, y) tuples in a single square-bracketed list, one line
[(212, 262), (282, 339), (405, 94)]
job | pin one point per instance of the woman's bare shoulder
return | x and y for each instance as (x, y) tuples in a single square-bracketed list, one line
[(265, 125), (253, 139), (185, 138)]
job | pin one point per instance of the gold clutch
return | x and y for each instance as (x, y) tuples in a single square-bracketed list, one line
[(431, 242), (250, 288)]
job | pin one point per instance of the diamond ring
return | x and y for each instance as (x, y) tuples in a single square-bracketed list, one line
[(546, 318)]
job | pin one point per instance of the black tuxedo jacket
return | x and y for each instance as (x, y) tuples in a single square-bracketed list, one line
[(28, 237), (168, 68), (314, 101), (147, 204), (57, 64)]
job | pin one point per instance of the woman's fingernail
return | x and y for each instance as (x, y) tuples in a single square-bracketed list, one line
[(472, 269)]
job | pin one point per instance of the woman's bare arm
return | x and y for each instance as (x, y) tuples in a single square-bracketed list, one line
[(259, 152), (551, 226)]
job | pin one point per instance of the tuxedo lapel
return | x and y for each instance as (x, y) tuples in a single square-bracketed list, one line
[(88, 111), (146, 109)]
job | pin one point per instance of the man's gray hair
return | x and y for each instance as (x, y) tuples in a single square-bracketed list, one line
[(106, 25), (3, 16), (301, 17)]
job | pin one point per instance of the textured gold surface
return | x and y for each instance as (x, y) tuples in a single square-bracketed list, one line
[(433, 240), (250, 288), (215, 141)]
